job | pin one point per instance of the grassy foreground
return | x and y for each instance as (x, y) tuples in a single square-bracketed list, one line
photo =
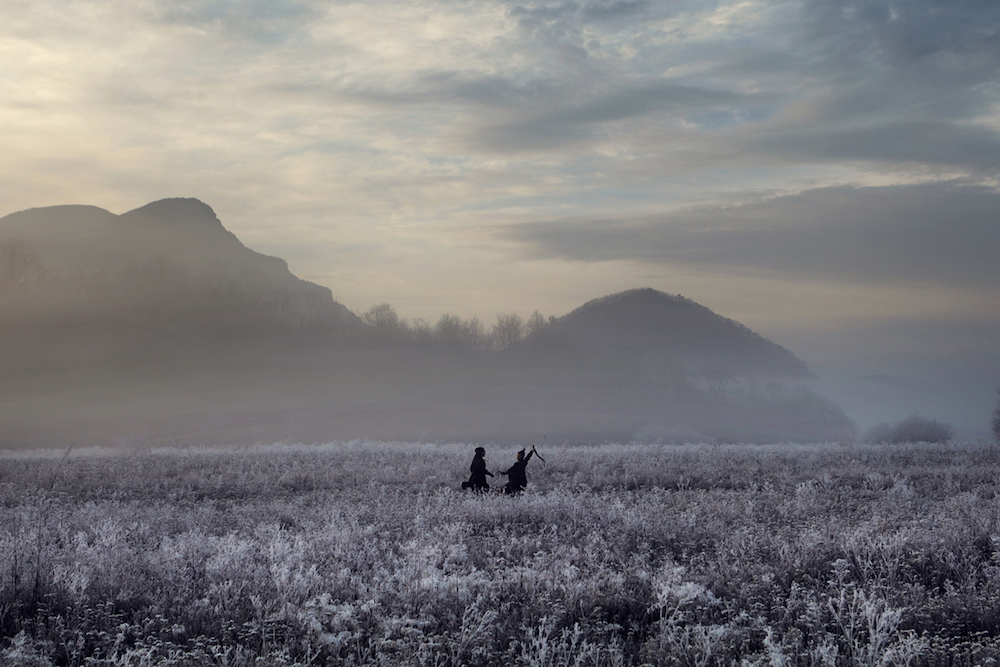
[(366, 554)]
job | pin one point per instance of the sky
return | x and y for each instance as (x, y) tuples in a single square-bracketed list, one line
[(824, 172)]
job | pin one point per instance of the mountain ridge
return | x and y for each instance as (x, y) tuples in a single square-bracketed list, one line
[(184, 233), (176, 210)]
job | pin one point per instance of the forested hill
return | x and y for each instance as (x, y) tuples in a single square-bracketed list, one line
[(169, 258), (650, 323)]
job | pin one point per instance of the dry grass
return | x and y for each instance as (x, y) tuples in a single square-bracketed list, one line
[(366, 554)]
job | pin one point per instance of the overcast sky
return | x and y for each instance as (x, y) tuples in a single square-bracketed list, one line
[(825, 172)]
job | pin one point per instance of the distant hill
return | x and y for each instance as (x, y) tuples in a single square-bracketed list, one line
[(169, 248), (651, 325)]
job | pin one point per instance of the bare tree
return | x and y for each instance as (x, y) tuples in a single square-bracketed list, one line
[(535, 325), (20, 267), (382, 316), (386, 326), (454, 331), (912, 429), (508, 330), (421, 331), (448, 329), (474, 333), (996, 420)]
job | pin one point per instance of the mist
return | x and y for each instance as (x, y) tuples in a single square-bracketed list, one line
[(159, 326), (888, 371)]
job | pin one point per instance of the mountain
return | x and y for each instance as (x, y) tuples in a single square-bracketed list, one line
[(169, 248), (655, 327)]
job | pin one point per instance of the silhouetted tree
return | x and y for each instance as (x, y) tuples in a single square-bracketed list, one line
[(912, 429), (381, 316), (508, 330), (474, 333), (535, 326), (996, 420), (386, 326), (421, 330), (454, 331), (448, 329)]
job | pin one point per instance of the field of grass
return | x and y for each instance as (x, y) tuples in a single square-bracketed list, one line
[(366, 553)]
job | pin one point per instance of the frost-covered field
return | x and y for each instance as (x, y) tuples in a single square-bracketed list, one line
[(366, 554)]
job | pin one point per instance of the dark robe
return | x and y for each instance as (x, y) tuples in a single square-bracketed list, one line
[(477, 478), (517, 479)]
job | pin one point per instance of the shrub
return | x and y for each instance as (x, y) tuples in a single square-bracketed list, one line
[(912, 429), (996, 420)]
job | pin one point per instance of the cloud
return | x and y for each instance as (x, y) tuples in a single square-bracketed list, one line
[(268, 22), (943, 39), (614, 10), (976, 150), (933, 233), (562, 123)]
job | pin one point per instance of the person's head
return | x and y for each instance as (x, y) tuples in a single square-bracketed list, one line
[(520, 455), (480, 451)]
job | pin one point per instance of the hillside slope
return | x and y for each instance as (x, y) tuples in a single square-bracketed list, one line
[(170, 247), (652, 325)]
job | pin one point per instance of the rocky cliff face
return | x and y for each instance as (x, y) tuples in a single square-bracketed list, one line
[(166, 243)]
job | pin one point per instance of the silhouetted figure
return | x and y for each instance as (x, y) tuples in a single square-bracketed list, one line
[(517, 479), (477, 478)]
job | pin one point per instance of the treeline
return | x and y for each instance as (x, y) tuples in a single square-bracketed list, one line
[(164, 296), (384, 326)]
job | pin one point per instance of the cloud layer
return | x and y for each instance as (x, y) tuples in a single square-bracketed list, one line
[(904, 234)]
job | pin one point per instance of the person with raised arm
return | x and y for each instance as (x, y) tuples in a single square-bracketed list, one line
[(517, 478)]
